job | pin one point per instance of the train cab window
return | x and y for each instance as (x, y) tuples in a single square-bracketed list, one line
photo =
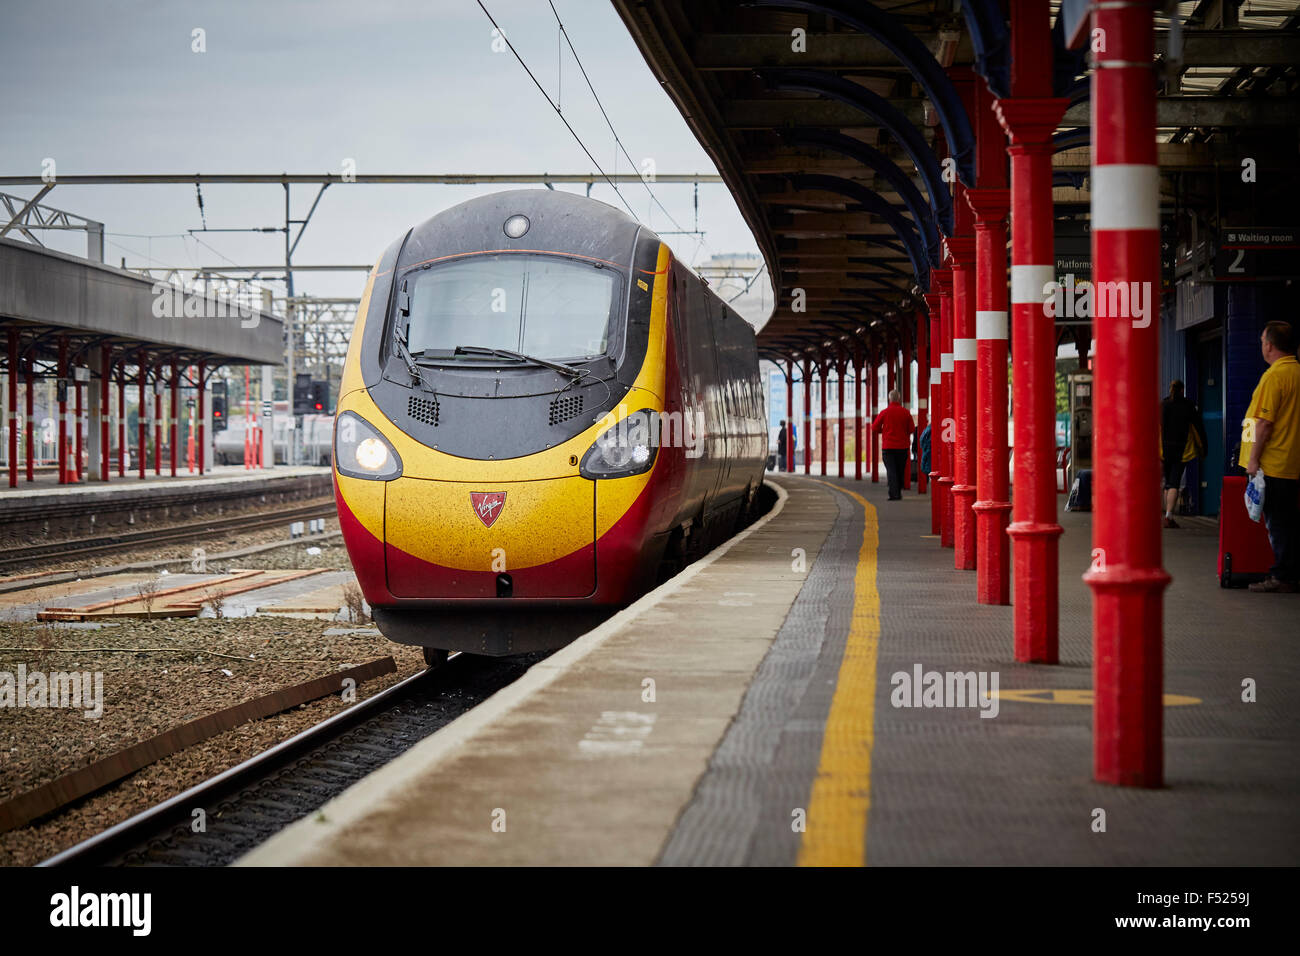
[(547, 306)]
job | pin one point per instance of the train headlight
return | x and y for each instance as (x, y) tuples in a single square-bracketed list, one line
[(361, 452), (372, 454), (624, 449)]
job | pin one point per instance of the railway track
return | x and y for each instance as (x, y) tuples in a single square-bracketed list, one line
[(85, 547), (247, 804)]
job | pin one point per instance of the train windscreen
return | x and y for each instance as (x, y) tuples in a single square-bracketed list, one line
[(547, 306)]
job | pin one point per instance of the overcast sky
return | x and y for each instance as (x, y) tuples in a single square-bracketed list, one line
[(398, 86)]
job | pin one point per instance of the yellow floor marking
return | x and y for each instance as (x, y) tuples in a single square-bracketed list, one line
[(1075, 696), (836, 832)]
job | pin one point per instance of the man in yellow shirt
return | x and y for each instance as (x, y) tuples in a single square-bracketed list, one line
[(1270, 442)]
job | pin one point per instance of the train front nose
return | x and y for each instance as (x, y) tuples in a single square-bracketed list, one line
[(520, 539)]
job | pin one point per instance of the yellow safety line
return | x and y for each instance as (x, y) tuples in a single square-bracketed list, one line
[(836, 833)]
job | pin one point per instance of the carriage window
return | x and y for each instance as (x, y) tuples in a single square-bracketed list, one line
[(546, 306)]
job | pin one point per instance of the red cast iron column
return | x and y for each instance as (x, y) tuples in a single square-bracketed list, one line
[(839, 401), (822, 369), (858, 368), (142, 413), (948, 424), (13, 407), (990, 203), (105, 409), (905, 387), (1126, 577), (961, 250), (933, 303), (121, 417), (79, 423), (1030, 116), (203, 421), (29, 431), (873, 438), (922, 390), (63, 409), (807, 416), (789, 417), (173, 431)]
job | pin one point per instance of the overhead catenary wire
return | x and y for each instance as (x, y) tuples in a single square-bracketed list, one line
[(502, 34), (601, 106)]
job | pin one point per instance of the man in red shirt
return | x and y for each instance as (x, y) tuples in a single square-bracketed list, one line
[(894, 423)]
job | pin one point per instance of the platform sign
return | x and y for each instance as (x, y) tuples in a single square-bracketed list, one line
[(266, 409), (1073, 249), (775, 398), (1250, 253)]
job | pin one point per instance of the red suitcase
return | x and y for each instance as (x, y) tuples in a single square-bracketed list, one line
[(1244, 552)]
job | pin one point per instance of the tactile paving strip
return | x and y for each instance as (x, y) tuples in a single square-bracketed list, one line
[(742, 810)]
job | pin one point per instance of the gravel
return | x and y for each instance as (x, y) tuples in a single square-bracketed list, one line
[(158, 674)]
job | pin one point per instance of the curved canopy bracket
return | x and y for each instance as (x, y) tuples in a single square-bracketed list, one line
[(912, 53), (883, 112), (873, 158)]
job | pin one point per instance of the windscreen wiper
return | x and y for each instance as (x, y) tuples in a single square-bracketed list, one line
[(405, 353), (560, 367)]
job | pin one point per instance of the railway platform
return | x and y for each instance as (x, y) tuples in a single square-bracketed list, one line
[(772, 705), (46, 510), (46, 484)]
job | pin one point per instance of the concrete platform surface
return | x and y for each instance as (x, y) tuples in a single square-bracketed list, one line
[(46, 487), (748, 712)]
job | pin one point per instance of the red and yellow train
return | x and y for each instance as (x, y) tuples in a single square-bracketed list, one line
[(541, 409)]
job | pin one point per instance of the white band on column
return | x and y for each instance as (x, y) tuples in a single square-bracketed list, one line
[(963, 350), (990, 325), (935, 376), (1125, 197), (1028, 282), (920, 404), (945, 362)]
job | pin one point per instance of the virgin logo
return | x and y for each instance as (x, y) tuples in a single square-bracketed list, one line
[(487, 505)]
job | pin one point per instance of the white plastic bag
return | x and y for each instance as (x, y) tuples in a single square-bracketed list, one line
[(1255, 496)]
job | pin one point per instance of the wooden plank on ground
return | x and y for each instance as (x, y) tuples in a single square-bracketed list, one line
[(135, 607)]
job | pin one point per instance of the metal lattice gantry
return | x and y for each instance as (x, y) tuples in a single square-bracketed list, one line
[(25, 215)]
